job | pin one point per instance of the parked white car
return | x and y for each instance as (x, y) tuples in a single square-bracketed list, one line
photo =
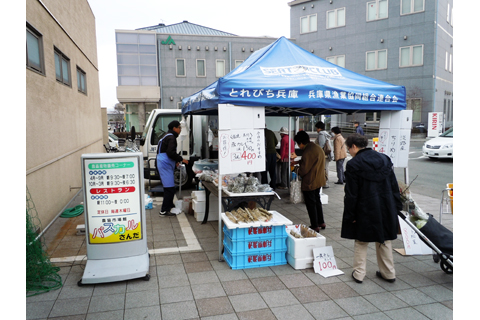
[(440, 147)]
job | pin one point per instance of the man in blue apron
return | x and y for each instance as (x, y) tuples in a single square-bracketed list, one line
[(167, 160)]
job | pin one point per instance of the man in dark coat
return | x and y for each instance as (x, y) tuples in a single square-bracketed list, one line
[(371, 204)]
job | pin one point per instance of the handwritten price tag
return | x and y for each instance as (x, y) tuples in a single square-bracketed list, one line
[(324, 262)]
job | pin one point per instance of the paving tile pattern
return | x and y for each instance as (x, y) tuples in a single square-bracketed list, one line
[(196, 285)]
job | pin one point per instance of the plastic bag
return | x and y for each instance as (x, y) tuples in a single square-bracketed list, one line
[(296, 195)]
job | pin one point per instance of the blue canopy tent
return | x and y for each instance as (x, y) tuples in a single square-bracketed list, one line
[(289, 81)]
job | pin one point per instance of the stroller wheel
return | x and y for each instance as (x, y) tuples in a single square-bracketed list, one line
[(446, 268), (436, 258)]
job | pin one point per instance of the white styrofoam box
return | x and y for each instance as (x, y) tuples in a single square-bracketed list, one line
[(198, 206), (212, 216), (301, 248), (300, 263), (198, 195)]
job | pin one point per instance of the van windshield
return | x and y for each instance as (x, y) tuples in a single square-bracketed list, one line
[(160, 127)]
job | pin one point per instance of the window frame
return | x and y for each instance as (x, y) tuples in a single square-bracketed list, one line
[(184, 68), (376, 60), (62, 58), (336, 15), (239, 63), (216, 68), (410, 56), (204, 68), (309, 17), (336, 58), (84, 74), (377, 10), (412, 6), (41, 55)]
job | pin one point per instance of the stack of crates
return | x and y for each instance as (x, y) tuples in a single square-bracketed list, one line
[(253, 246)]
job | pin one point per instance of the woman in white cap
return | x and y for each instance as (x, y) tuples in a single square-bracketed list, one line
[(285, 151)]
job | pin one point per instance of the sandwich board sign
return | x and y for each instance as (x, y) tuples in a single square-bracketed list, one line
[(113, 191)]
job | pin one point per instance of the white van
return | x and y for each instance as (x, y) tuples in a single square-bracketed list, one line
[(189, 143)]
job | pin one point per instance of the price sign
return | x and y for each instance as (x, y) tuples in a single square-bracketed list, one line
[(324, 262), (113, 200), (242, 150)]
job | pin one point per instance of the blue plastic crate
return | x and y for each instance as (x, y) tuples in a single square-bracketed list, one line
[(255, 260), (237, 234), (255, 245)]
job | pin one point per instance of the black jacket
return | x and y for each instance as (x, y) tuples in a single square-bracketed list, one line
[(169, 146), (372, 198)]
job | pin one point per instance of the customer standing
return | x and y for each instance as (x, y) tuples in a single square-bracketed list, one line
[(371, 204), (271, 158), (287, 147), (167, 159), (322, 139), (312, 172), (358, 129), (339, 153)]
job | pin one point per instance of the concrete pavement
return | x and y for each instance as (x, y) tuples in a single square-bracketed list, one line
[(189, 282)]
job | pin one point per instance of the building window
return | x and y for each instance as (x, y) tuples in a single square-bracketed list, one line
[(220, 68), (336, 18), (136, 59), (411, 56), (238, 62), (181, 68), (412, 6), (308, 23), (338, 60), (81, 80), (201, 68), (62, 67), (377, 9), (415, 104), (35, 58), (376, 60)]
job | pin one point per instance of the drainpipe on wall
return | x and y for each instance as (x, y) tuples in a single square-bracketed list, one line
[(229, 56), (159, 61), (435, 59)]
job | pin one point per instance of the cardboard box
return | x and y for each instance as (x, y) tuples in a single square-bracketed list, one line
[(302, 248)]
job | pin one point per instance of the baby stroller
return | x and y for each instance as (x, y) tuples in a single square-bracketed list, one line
[(437, 237)]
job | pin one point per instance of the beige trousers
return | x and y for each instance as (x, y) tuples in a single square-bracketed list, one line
[(384, 259)]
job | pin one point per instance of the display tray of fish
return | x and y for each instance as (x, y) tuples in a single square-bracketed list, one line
[(244, 218), (249, 215)]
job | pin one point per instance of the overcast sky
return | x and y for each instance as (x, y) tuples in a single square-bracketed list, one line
[(244, 18)]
